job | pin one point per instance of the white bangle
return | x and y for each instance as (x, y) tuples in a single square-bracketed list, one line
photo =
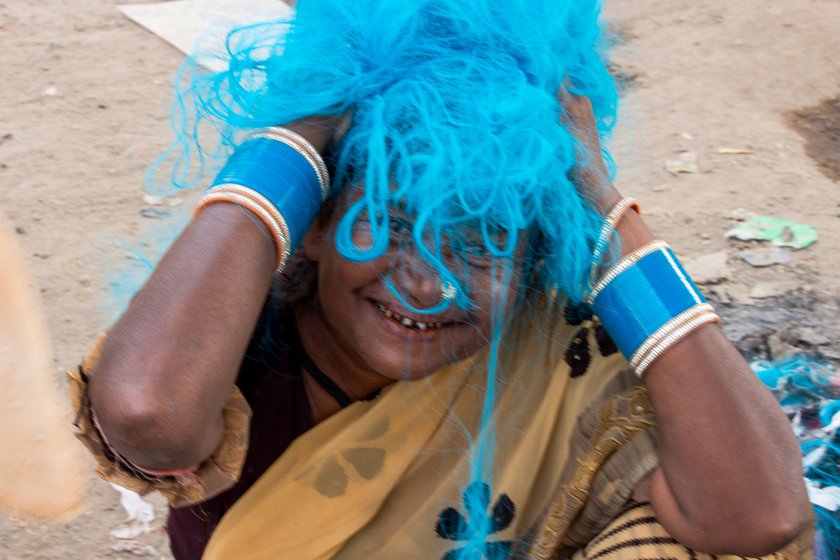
[(271, 218), (666, 329), (610, 224), (674, 338)]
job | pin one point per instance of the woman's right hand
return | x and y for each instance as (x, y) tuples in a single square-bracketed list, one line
[(169, 363), (321, 131)]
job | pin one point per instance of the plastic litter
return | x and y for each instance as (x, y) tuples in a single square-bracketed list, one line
[(782, 233), (809, 393)]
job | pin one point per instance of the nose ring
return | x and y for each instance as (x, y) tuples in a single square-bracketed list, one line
[(448, 290)]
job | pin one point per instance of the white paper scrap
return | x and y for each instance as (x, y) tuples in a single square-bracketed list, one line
[(139, 514), (187, 23), (827, 497)]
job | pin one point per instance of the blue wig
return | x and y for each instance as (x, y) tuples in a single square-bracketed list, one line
[(454, 117)]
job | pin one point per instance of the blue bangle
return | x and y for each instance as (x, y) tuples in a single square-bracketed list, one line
[(647, 292), (282, 175)]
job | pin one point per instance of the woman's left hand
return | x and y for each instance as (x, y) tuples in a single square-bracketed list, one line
[(730, 475), (590, 173)]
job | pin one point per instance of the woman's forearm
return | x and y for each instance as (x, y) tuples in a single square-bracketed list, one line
[(168, 365), (730, 470)]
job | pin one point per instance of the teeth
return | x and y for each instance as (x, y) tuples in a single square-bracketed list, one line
[(408, 322)]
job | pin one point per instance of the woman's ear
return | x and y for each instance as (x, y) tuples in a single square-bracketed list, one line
[(317, 234), (314, 239)]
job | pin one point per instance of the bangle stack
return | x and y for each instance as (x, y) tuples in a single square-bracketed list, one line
[(280, 177), (647, 302)]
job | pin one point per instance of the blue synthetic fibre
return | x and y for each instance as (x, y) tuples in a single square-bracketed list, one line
[(809, 392), (454, 111), (455, 120)]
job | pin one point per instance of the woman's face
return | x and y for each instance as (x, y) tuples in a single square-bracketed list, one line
[(360, 318)]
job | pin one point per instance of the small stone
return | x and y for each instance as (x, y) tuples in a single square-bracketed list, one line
[(760, 258), (777, 347), (721, 294), (741, 214), (20, 230), (708, 269), (763, 290), (812, 337), (685, 162)]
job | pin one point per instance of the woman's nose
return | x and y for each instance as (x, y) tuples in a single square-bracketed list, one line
[(417, 280)]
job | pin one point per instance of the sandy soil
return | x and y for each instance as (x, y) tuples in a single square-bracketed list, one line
[(84, 110)]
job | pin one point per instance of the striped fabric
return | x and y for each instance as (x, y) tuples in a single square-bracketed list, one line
[(637, 535)]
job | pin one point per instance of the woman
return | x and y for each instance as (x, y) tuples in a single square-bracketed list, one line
[(427, 379)]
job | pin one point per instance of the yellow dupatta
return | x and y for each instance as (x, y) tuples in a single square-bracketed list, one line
[(384, 478)]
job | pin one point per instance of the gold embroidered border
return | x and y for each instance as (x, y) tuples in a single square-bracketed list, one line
[(613, 431)]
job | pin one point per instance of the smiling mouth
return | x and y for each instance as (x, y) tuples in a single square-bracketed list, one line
[(410, 323)]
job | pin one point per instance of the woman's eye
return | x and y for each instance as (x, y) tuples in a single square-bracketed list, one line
[(400, 228), (479, 258)]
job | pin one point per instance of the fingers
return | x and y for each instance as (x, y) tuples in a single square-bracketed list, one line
[(590, 172)]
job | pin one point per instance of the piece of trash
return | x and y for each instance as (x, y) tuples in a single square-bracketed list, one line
[(736, 151), (204, 23), (50, 91), (686, 162), (764, 290), (155, 213), (782, 233), (760, 258), (134, 547), (809, 393), (708, 269), (153, 200), (139, 512), (828, 498), (686, 136)]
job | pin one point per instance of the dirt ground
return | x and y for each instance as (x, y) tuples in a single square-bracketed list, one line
[(84, 110)]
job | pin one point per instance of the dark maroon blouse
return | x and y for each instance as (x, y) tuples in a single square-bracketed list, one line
[(271, 382)]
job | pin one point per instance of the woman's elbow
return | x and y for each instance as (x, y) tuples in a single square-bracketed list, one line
[(776, 532), (761, 534), (149, 430)]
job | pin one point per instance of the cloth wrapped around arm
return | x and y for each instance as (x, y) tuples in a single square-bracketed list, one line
[(215, 475)]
